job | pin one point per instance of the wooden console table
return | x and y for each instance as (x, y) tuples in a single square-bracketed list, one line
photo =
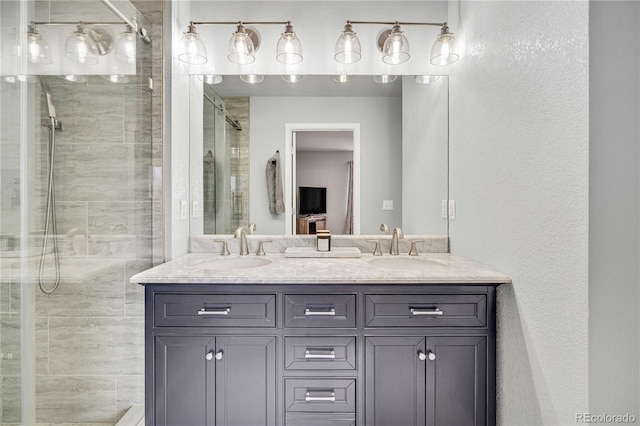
[(310, 224)]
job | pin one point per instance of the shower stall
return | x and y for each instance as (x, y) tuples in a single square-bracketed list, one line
[(76, 208)]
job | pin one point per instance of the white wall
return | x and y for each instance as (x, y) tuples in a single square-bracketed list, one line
[(176, 164), (614, 207), (425, 155), (519, 174), (380, 121), (327, 169)]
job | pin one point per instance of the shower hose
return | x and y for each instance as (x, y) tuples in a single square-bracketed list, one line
[(50, 217)]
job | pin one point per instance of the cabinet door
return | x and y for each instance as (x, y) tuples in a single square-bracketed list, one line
[(246, 381), (183, 396), (457, 381), (395, 381)]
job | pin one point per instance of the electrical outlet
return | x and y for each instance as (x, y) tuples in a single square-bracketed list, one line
[(387, 204), (452, 209), (194, 209), (444, 209), (184, 210)]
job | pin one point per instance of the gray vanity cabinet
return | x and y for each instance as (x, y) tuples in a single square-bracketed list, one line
[(207, 381), (417, 380), (320, 355)]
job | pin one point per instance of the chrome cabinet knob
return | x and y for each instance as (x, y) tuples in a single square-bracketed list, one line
[(430, 355), (209, 356), (219, 355)]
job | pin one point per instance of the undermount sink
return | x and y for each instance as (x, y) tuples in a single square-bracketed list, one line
[(404, 263), (223, 263)]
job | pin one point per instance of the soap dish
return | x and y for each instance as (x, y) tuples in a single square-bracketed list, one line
[(312, 252)]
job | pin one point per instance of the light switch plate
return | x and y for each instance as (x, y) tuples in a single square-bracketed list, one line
[(184, 210), (387, 204), (452, 209)]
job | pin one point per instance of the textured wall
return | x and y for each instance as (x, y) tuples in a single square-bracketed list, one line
[(519, 175), (614, 233)]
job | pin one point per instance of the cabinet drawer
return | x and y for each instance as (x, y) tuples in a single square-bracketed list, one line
[(320, 353), (319, 310), (320, 395), (214, 310), (316, 420), (424, 310)]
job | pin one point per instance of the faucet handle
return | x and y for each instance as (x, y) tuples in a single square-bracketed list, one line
[(384, 228), (225, 248), (376, 250), (260, 250), (414, 248)]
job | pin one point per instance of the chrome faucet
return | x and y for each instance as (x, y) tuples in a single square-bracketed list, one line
[(244, 247), (397, 234)]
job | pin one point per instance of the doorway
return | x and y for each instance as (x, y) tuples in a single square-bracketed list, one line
[(319, 154)]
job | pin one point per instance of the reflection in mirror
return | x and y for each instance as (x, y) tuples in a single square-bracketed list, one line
[(225, 164), (402, 155)]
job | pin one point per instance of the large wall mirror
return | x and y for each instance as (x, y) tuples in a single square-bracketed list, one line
[(350, 156)]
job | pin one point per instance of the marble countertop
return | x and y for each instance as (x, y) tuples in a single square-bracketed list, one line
[(429, 268)]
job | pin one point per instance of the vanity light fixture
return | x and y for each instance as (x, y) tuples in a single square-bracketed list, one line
[(75, 78), (37, 47), (126, 46), (343, 78), (211, 79), (426, 79), (393, 44), (88, 42), (252, 78), (116, 78), (242, 45), (384, 79), (80, 47), (293, 78)]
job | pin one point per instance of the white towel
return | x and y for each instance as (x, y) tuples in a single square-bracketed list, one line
[(274, 184)]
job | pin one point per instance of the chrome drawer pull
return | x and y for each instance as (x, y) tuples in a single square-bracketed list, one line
[(320, 354), (308, 397), (224, 311), (326, 312), (433, 311)]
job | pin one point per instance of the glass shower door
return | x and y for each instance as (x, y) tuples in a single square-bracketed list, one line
[(76, 217)]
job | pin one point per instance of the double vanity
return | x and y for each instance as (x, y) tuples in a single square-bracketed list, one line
[(274, 340)]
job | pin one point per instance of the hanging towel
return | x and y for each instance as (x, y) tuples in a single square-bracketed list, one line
[(274, 184)]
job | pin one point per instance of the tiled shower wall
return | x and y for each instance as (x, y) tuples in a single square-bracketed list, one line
[(89, 332)]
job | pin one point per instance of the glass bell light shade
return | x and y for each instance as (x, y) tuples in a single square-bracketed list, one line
[(191, 48), (81, 48), (384, 79), (126, 46), (242, 50), (396, 47), (445, 49), (347, 49), (289, 48), (252, 78), (292, 78), (37, 48)]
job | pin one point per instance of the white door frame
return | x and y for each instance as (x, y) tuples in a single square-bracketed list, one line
[(290, 128)]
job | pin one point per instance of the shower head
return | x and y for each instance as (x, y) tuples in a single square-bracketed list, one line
[(49, 97)]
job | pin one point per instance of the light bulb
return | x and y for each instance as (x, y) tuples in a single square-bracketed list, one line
[(80, 48), (396, 47), (241, 47), (37, 47)]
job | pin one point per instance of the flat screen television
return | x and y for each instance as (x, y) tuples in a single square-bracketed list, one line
[(312, 200)]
